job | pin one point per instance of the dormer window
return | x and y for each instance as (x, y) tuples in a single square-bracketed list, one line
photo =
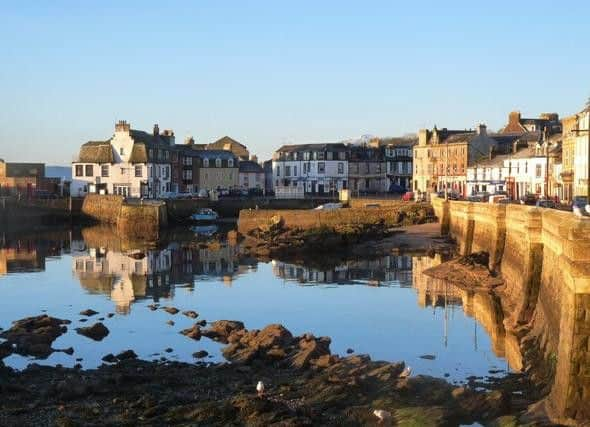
[(122, 151), (230, 163), (205, 163), (217, 163)]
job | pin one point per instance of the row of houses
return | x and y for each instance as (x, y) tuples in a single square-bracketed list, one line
[(545, 157), (135, 163)]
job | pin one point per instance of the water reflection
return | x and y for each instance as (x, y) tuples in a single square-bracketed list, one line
[(385, 271)]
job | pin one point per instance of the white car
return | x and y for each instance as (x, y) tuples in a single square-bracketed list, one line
[(329, 207)]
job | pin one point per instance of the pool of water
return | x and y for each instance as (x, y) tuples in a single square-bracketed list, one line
[(383, 307)]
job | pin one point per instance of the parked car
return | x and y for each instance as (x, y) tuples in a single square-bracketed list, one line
[(329, 207), (203, 194), (545, 203), (453, 195), (528, 199), (580, 202), (408, 196)]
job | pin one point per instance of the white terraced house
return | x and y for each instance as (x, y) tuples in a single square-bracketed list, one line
[(310, 169), (131, 163)]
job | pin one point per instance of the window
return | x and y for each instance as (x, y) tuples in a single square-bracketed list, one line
[(287, 170), (329, 155), (341, 155), (89, 170), (217, 163), (122, 151), (340, 168), (205, 163), (321, 167), (294, 170), (321, 155), (230, 163), (166, 155), (306, 155), (278, 171), (104, 171), (165, 172), (538, 171), (79, 170)]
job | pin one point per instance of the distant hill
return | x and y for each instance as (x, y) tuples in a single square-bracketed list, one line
[(58, 172)]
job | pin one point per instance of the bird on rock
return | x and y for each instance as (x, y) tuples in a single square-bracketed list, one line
[(406, 372), (260, 388), (382, 415)]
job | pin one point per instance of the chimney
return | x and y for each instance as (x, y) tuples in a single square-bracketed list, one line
[(156, 130), (422, 136), (514, 118), (189, 140), (482, 129), (254, 158), (122, 126)]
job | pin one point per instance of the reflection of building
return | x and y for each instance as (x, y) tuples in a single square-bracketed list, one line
[(106, 265), (27, 253), (382, 271), (483, 307)]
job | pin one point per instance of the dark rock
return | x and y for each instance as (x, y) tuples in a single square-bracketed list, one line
[(96, 332), (170, 322), (153, 307), (171, 310), (110, 358), (310, 348), (169, 350), (126, 355), (110, 315), (88, 312), (190, 313), (33, 336), (428, 356), (83, 320), (194, 332), (349, 351), (202, 322), (69, 350), (200, 354), (222, 329)]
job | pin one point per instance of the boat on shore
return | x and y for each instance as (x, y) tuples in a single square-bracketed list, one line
[(205, 215)]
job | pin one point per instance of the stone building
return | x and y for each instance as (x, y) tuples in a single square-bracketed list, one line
[(398, 154), (441, 157), (131, 163), (217, 170), (546, 123), (575, 146), (26, 179), (251, 176), (367, 169), (229, 144), (310, 169)]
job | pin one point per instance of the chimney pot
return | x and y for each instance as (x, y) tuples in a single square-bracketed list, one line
[(156, 130)]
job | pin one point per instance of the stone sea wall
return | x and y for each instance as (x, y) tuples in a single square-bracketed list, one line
[(309, 219), (133, 220), (544, 258)]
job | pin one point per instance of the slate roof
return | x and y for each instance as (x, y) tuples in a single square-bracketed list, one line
[(398, 142), (250, 166), (150, 138), (338, 146), (215, 154)]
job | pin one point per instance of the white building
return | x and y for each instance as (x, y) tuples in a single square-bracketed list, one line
[(312, 169), (131, 163), (251, 176)]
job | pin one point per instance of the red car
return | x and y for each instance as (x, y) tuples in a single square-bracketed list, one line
[(408, 196)]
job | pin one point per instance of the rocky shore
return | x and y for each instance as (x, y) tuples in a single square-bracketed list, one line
[(304, 384)]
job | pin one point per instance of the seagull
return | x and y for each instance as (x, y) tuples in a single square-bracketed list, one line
[(260, 388), (406, 372), (382, 415), (577, 211)]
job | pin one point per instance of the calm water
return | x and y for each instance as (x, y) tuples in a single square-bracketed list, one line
[(386, 307)]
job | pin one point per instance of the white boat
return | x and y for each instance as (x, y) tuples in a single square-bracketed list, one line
[(205, 214)]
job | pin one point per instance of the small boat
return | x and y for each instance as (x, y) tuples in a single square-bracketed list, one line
[(205, 214)]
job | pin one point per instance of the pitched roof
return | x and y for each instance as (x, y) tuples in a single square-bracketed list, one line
[(338, 146), (250, 166), (96, 152), (398, 142), (227, 140), (215, 154), (139, 154), (150, 138)]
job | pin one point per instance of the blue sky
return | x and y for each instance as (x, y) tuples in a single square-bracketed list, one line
[(269, 73)]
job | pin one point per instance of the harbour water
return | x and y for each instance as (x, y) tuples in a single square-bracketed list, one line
[(383, 307)]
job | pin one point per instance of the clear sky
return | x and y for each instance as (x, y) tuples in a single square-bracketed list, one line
[(269, 73)]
